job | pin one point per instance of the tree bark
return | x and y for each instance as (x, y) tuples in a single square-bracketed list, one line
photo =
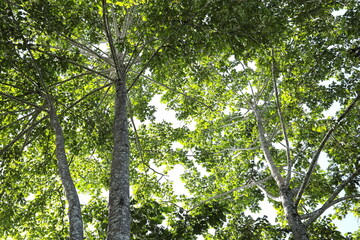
[(119, 196), (74, 212), (298, 228)]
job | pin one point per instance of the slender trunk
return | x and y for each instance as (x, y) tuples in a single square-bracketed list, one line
[(298, 229), (74, 213), (119, 197)]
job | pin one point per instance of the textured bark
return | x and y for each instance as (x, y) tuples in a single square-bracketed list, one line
[(119, 199), (74, 213), (298, 228), (275, 173)]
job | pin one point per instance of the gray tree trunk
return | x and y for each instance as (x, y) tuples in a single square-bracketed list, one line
[(74, 213), (119, 197), (298, 229)]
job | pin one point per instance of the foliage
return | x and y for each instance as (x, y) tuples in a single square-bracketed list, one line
[(233, 73)]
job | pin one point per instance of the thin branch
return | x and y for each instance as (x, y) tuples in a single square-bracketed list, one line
[(85, 96), (23, 101), (70, 78), (175, 91), (114, 55), (148, 63), (17, 87), (250, 184), (227, 149), (331, 200), (90, 52), (22, 133), (315, 158), (17, 120), (121, 35), (134, 57), (269, 195), (16, 111), (314, 215), (282, 122), (27, 135), (138, 144), (74, 63)]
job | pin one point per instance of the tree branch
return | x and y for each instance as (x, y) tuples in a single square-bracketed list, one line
[(282, 122), (21, 119), (85, 96), (331, 201), (22, 133), (147, 63), (23, 101), (74, 63), (314, 215), (269, 195), (70, 78), (138, 144), (16, 111), (315, 158), (114, 55), (176, 91), (266, 150), (88, 51), (251, 184)]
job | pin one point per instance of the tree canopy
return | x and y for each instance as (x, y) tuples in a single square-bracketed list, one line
[(83, 155)]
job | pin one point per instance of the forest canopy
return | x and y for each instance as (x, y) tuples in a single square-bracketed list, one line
[(84, 156)]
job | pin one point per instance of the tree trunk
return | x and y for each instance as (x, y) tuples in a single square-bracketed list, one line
[(298, 229), (119, 197), (74, 213)]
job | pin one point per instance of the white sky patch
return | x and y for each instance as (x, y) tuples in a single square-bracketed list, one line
[(267, 210), (202, 170), (241, 66), (338, 13), (211, 231), (323, 161), (162, 113), (252, 65), (231, 58), (176, 145), (227, 110), (306, 109), (350, 223), (147, 72), (105, 193), (30, 197), (84, 198), (326, 83), (278, 146), (331, 112), (174, 176), (104, 47)]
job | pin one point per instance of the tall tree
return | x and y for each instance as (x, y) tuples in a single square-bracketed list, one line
[(278, 101)]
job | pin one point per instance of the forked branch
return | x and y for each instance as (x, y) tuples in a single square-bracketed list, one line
[(315, 158)]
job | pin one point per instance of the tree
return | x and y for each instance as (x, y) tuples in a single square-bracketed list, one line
[(33, 46), (256, 110)]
